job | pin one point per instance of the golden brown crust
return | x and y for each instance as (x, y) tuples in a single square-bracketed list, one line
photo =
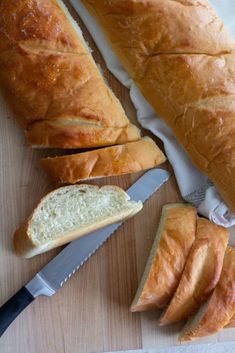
[(36, 22), (117, 160), (167, 259), (182, 59), (201, 273), (49, 77), (74, 135), (139, 30), (231, 322), (221, 306), (22, 243)]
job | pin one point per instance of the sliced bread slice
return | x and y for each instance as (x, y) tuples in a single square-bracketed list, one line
[(70, 212), (173, 241), (117, 160), (202, 271), (219, 309)]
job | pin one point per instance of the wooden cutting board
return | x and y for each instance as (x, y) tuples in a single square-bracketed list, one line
[(91, 312)]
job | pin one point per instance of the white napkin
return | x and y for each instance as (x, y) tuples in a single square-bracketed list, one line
[(194, 185)]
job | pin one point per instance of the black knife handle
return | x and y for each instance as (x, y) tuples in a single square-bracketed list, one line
[(13, 307)]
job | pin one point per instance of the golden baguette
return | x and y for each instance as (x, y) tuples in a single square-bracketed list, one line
[(182, 58), (51, 82)]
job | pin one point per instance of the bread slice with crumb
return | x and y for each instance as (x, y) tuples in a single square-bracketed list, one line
[(70, 212), (116, 160), (165, 265), (201, 273), (219, 309)]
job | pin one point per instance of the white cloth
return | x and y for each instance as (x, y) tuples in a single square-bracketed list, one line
[(194, 185)]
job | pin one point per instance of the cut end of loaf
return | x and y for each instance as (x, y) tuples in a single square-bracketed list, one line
[(70, 212), (140, 303), (146, 298), (191, 330)]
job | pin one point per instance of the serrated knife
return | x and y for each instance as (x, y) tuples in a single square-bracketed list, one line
[(72, 257)]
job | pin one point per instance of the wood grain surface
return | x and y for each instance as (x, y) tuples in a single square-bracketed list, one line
[(91, 312)]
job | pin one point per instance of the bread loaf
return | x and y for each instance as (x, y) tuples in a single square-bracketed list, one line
[(201, 273), (219, 309), (51, 82), (70, 212), (182, 58), (165, 265), (117, 160)]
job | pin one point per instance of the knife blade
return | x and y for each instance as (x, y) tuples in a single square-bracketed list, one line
[(73, 256)]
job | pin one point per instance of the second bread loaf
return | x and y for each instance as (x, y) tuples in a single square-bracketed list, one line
[(182, 58)]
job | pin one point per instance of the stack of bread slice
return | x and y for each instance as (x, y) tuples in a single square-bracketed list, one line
[(190, 274), (61, 99)]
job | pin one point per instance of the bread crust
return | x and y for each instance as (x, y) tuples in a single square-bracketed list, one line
[(201, 273), (25, 246), (182, 58), (57, 135), (231, 322), (117, 160), (221, 305), (51, 82), (167, 257)]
